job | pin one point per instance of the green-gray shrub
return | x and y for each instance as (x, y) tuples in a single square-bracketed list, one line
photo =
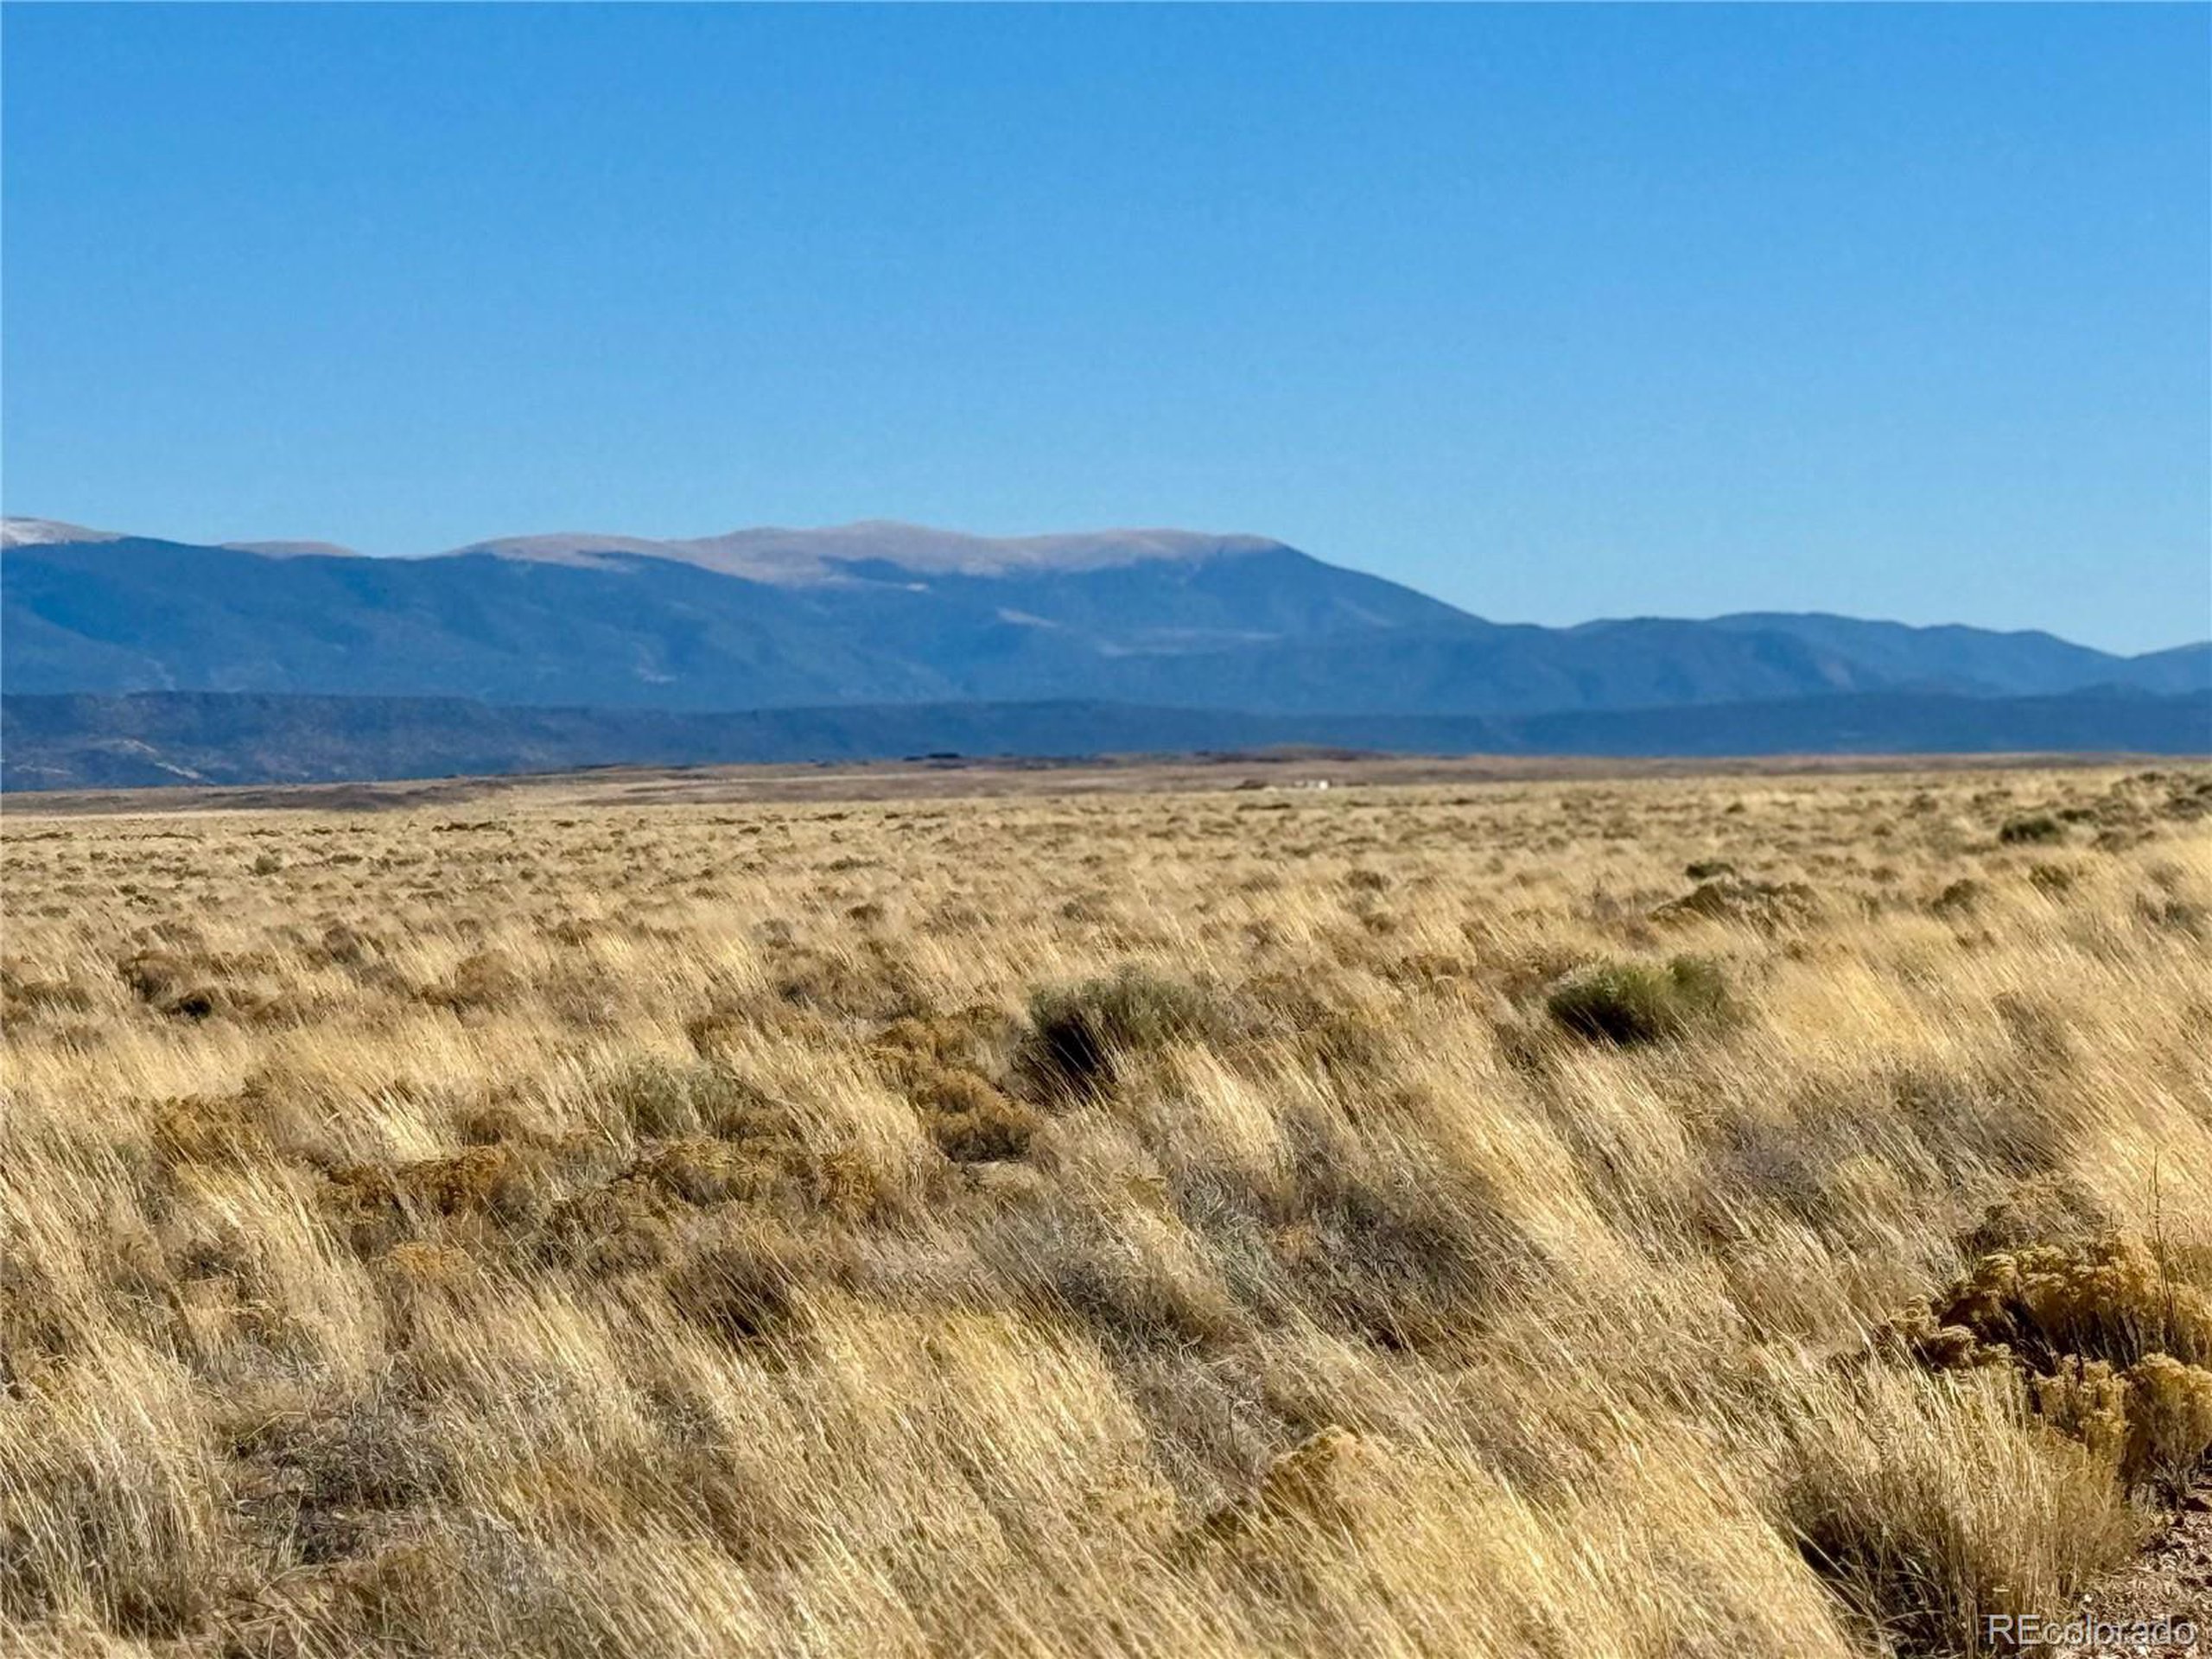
[(1628, 1003), (1076, 1032)]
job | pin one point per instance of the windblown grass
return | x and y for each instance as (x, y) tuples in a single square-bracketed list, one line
[(1384, 1221)]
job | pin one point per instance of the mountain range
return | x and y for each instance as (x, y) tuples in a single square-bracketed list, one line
[(886, 615), (151, 737)]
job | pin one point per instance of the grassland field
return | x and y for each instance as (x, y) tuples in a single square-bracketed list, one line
[(1727, 1216)]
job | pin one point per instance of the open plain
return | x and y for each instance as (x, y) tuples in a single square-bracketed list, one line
[(1736, 1215)]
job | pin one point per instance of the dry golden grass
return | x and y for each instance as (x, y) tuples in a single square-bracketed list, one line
[(1395, 1220)]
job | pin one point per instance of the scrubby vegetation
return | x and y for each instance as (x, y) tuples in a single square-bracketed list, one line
[(1383, 1220), (1641, 1002)]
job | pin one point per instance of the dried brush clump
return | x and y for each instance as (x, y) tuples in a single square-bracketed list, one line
[(2111, 1298), (1144, 1223), (1726, 897), (2036, 831), (2114, 1343)]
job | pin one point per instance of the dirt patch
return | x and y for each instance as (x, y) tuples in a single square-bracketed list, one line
[(2170, 1586)]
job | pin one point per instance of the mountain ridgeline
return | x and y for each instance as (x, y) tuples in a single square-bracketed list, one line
[(891, 616), (153, 738)]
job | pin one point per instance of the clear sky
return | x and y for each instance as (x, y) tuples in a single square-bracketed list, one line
[(1555, 313)]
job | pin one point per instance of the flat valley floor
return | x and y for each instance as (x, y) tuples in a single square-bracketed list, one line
[(1753, 1213)]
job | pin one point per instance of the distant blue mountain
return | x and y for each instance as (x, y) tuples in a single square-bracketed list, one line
[(1981, 661), (885, 614), (157, 738)]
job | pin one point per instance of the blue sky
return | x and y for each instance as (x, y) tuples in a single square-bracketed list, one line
[(1555, 313)]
